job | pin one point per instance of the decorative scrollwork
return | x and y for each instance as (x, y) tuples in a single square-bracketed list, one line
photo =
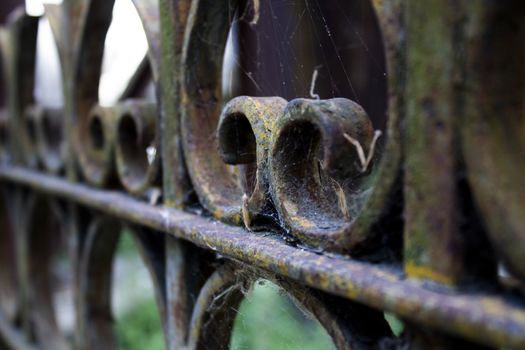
[(348, 208), (96, 318), (46, 236), (316, 178), (219, 299), (98, 144), (244, 133), (218, 189), (18, 45), (137, 146)]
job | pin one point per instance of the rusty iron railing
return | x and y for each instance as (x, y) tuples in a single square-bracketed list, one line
[(219, 193)]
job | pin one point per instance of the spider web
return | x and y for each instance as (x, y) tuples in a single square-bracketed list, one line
[(293, 39)]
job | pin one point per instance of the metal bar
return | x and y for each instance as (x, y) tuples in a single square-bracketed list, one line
[(13, 338), (486, 318), (173, 17), (432, 241), (443, 240)]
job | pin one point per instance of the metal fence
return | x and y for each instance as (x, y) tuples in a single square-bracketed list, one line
[(422, 218)]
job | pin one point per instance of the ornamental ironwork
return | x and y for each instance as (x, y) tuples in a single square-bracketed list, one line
[(404, 197)]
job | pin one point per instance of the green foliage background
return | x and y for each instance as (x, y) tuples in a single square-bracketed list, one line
[(267, 320)]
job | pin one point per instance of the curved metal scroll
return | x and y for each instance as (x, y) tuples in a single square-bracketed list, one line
[(18, 43), (216, 185), (137, 145), (46, 234), (9, 295), (316, 175), (320, 169), (351, 326), (96, 318), (244, 133)]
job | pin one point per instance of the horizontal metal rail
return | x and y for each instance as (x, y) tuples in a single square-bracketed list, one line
[(477, 315)]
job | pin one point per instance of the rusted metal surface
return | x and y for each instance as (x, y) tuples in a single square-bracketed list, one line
[(478, 315), (137, 145), (493, 82), (95, 283), (244, 133), (149, 13), (181, 282), (316, 174), (88, 45), (175, 182), (431, 149), (98, 138), (18, 45), (350, 215), (45, 229), (216, 306), (207, 30)]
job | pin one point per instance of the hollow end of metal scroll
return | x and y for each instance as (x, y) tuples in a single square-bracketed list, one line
[(137, 148), (316, 177), (243, 133), (238, 146), (97, 145), (237, 140)]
